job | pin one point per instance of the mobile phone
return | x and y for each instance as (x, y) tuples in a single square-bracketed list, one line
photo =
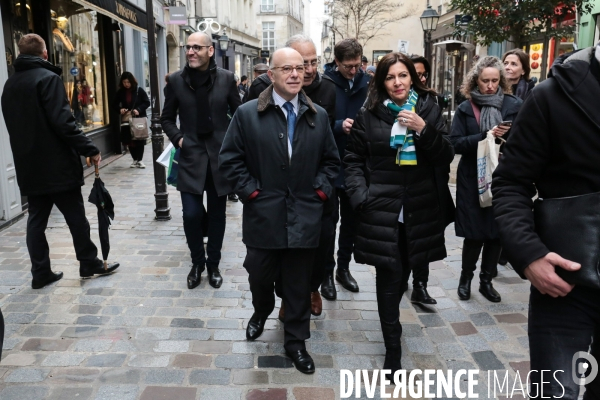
[(505, 123)]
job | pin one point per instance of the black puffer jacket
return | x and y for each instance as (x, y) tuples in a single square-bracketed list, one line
[(44, 138), (380, 188)]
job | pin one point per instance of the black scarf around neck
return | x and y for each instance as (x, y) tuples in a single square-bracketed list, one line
[(200, 81), (595, 68)]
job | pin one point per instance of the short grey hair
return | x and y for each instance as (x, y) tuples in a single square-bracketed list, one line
[(470, 82), (299, 38)]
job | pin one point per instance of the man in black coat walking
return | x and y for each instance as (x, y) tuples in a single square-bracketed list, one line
[(280, 157), (554, 147), (202, 94), (46, 145)]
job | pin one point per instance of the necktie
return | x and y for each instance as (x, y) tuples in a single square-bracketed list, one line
[(291, 121)]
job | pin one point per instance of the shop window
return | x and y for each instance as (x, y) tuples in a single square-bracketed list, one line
[(76, 49)]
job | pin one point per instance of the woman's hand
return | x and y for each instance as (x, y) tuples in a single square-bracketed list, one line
[(135, 112), (499, 131), (411, 120), (123, 111)]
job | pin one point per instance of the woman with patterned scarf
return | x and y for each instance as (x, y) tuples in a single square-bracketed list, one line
[(397, 141), (487, 89)]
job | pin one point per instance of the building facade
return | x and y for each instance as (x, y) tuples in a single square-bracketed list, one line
[(278, 20), (93, 41)]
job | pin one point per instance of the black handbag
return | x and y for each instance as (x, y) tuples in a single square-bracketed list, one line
[(570, 227)]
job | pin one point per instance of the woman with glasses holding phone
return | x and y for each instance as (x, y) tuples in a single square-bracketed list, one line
[(396, 143), (490, 107)]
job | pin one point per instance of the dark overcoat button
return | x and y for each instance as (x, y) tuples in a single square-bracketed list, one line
[(281, 136)]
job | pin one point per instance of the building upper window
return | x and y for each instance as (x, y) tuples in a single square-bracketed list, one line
[(267, 5), (268, 42)]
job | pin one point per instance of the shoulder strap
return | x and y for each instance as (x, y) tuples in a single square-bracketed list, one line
[(476, 111)]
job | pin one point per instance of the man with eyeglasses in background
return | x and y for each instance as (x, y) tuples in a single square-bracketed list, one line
[(351, 85), (202, 94), (280, 157)]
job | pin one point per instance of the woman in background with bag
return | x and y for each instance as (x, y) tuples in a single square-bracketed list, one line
[(486, 88), (131, 102)]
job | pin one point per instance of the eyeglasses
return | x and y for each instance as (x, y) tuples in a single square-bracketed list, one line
[(312, 63), (351, 67), (423, 75), (195, 47), (287, 69)]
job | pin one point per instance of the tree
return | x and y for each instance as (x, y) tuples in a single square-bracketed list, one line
[(519, 20), (365, 19)]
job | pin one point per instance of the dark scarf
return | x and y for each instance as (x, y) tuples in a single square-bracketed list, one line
[(521, 89), (491, 108), (315, 83), (595, 63), (200, 81)]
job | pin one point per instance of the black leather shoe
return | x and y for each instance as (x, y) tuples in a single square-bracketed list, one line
[(232, 197), (100, 269), (420, 295), (464, 286), (48, 279), (255, 327), (487, 289), (195, 276), (346, 280), (302, 361), (214, 277), (392, 360), (328, 287)]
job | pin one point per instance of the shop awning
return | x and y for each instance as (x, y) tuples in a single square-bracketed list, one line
[(120, 10)]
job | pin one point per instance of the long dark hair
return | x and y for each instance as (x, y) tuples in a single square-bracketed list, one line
[(129, 76), (377, 91)]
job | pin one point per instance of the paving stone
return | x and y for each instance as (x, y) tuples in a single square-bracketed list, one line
[(274, 362), (313, 393), (92, 320), (10, 343), (153, 333), (331, 325), (474, 343), (524, 342), (41, 331), (212, 347), (353, 362), (290, 377), (420, 345), (329, 348), (368, 348), (24, 392), (166, 293), (493, 333), (63, 360), (117, 392), (80, 331), (247, 377), (167, 393), (121, 376), (143, 360), (365, 325), (106, 360), (93, 345), (451, 351), (267, 394), (431, 320), (454, 315), (523, 367), (18, 360), (209, 377), (165, 377), (26, 375), (487, 360), (187, 323), (234, 361), (250, 348), (19, 318), (172, 346), (222, 324), (482, 319), (231, 335), (62, 393), (463, 328), (191, 361), (62, 376), (221, 394), (511, 318), (46, 345), (190, 334), (85, 309)]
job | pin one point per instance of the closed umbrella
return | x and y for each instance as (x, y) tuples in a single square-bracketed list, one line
[(106, 211)]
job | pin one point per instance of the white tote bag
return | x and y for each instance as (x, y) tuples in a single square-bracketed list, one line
[(164, 158), (487, 161)]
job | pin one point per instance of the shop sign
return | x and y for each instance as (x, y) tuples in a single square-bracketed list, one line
[(74, 71), (177, 16), (264, 53), (121, 10)]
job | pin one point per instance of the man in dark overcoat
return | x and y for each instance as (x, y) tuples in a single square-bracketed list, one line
[(280, 157), (202, 94), (553, 150), (47, 145)]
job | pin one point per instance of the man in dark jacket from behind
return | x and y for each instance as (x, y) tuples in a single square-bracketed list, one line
[(554, 147), (320, 90), (46, 145), (202, 94), (351, 85), (260, 82), (280, 157)]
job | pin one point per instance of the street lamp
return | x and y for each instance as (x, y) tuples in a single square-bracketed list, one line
[(429, 21), (224, 45), (161, 195), (327, 53)]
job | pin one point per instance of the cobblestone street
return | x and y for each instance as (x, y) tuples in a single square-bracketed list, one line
[(141, 334)]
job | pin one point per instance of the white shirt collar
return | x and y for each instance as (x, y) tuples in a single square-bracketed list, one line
[(280, 101)]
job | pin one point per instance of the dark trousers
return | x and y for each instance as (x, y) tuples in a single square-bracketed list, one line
[(1, 332), (559, 328), (489, 258), (70, 204), (342, 211), (193, 214), (136, 148), (388, 285), (293, 267)]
